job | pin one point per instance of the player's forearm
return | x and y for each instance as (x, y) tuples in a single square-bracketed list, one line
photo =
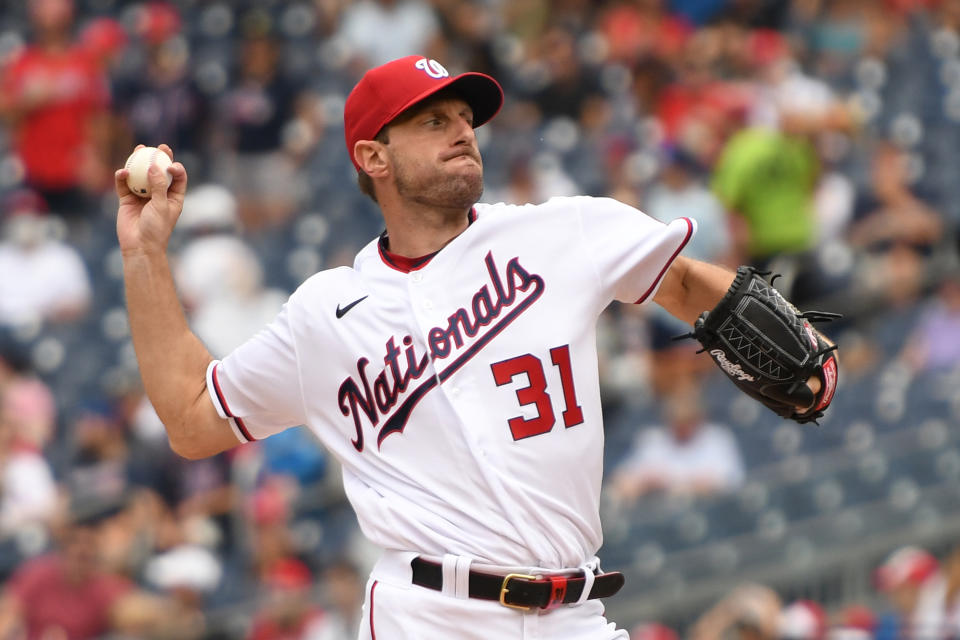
[(172, 359), (692, 287)]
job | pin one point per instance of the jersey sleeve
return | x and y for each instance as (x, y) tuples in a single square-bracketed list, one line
[(257, 387), (630, 250)]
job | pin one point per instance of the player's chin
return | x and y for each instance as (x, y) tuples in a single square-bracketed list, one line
[(463, 190), (466, 173)]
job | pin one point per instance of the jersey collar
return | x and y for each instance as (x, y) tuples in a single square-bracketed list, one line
[(405, 264)]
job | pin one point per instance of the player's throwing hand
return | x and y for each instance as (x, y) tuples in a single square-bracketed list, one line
[(145, 225)]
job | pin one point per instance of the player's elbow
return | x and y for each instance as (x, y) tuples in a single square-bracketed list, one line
[(188, 450), (182, 441), (673, 294), (196, 431), (192, 440)]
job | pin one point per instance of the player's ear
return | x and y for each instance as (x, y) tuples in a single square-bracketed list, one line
[(372, 157)]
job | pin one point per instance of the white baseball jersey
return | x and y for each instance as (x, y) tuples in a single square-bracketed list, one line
[(460, 392)]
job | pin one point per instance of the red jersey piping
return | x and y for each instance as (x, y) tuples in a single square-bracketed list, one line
[(656, 281)]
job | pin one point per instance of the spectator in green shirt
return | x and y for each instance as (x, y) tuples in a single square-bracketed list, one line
[(767, 178)]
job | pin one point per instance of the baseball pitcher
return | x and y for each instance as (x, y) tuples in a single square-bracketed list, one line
[(453, 370)]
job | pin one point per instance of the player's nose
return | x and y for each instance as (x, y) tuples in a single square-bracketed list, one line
[(464, 132)]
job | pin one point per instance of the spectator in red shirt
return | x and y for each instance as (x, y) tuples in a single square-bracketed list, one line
[(64, 594), (54, 96), (68, 594)]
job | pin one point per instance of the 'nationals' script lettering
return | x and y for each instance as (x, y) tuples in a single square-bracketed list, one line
[(468, 330)]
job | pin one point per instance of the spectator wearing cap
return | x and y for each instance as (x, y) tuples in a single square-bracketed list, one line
[(187, 573), (910, 579), (802, 620), (105, 40), (209, 219), (241, 305), (855, 622), (56, 98), (43, 278), (218, 274)]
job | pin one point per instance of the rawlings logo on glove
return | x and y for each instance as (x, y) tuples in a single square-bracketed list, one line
[(769, 349), (732, 370)]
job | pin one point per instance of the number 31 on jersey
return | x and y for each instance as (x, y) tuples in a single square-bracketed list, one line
[(535, 393)]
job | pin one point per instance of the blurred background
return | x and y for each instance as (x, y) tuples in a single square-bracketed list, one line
[(816, 138)]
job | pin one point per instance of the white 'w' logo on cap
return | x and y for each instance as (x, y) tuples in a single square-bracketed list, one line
[(432, 68)]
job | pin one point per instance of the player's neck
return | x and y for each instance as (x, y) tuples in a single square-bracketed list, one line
[(416, 233)]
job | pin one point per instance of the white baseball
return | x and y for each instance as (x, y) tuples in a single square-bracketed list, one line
[(139, 163)]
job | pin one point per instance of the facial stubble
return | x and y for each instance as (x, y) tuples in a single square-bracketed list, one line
[(456, 191)]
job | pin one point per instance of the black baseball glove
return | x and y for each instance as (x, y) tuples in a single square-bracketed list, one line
[(768, 348)]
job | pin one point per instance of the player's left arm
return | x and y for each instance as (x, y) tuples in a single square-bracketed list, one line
[(691, 287)]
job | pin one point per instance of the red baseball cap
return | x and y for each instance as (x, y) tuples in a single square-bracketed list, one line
[(288, 574), (104, 36), (24, 201), (384, 92), (157, 22), (906, 565)]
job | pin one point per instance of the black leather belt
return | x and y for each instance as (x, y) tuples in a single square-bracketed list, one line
[(520, 591)]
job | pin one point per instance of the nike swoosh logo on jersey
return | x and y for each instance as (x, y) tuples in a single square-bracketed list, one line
[(343, 311)]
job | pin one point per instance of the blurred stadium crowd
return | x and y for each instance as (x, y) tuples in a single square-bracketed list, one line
[(817, 138)]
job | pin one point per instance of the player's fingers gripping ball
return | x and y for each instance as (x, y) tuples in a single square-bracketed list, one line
[(139, 163), (769, 348)]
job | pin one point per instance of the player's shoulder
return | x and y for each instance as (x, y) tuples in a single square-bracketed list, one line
[(553, 211), (329, 283), (555, 206)]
